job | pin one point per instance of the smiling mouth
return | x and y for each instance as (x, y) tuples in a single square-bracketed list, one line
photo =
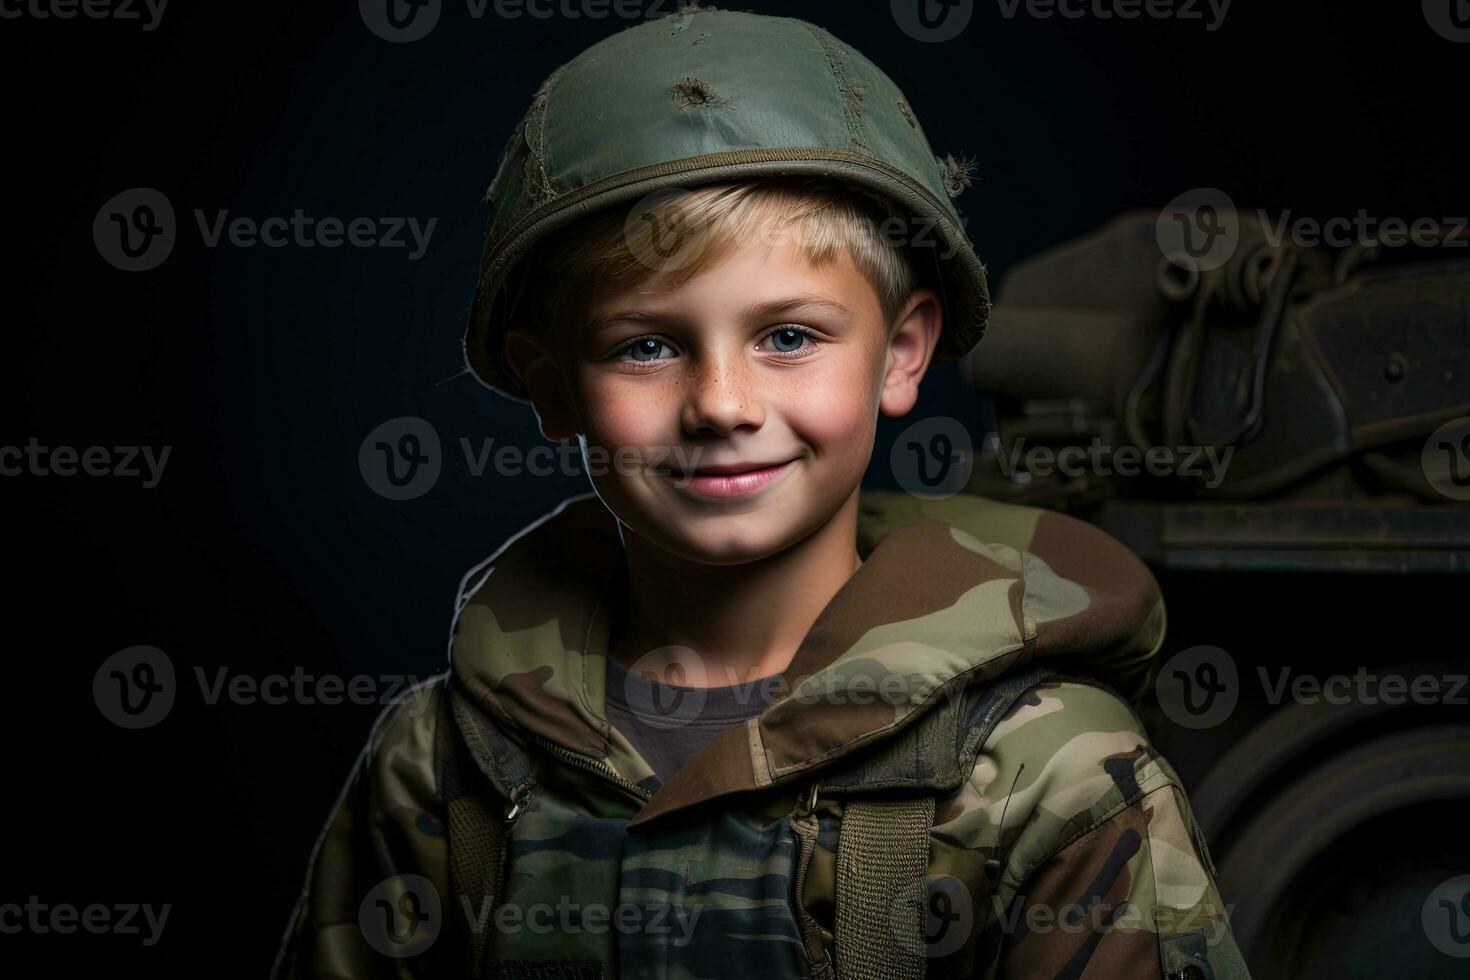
[(728, 482)]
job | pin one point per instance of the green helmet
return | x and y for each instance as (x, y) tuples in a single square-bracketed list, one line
[(706, 96)]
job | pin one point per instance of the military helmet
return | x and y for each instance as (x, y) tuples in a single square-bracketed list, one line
[(708, 96)]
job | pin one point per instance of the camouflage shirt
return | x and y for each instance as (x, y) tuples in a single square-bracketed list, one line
[(1096, 866)]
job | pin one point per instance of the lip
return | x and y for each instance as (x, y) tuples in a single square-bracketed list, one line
[(712, 483)]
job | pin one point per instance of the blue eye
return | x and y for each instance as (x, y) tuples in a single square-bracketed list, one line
[(788, 340), (649, 346), (797, 336), (788, 335)]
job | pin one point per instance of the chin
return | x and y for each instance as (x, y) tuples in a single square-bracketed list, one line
[(710, 536), (724, 539)]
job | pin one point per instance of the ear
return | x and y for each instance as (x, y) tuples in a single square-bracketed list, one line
[(536, 368), (911, 345)]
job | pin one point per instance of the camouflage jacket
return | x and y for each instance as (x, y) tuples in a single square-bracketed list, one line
[(1062, 844)]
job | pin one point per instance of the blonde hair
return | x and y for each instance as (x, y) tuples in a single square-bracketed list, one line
[(672, 235)]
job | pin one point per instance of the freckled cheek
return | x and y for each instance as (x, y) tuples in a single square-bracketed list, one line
[(834, 411), (618, 412)]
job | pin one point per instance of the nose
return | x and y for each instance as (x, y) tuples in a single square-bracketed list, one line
[(722, 392)]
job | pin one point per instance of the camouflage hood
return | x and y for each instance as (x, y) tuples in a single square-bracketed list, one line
[(951, 594)]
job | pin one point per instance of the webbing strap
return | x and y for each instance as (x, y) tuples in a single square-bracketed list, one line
[(476, 842), (882, 861)]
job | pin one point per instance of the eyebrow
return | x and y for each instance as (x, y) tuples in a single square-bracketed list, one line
[(760, 311)]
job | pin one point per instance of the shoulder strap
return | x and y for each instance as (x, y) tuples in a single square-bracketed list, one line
[(883, 856), (882, 852), (476, 871)]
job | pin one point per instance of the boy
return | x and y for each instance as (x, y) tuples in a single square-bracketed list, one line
[(731, 716)]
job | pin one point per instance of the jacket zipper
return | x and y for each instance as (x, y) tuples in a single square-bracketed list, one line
[(520, 797), (591, 765), (804, 823)]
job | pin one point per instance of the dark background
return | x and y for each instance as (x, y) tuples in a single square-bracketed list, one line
[(263, 549)]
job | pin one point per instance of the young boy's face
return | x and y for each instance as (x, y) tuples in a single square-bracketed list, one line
[(759, 363)]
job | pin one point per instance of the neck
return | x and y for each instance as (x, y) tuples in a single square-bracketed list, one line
[(744, 621)]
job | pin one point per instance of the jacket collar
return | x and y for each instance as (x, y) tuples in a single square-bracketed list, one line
[(951, 594)]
